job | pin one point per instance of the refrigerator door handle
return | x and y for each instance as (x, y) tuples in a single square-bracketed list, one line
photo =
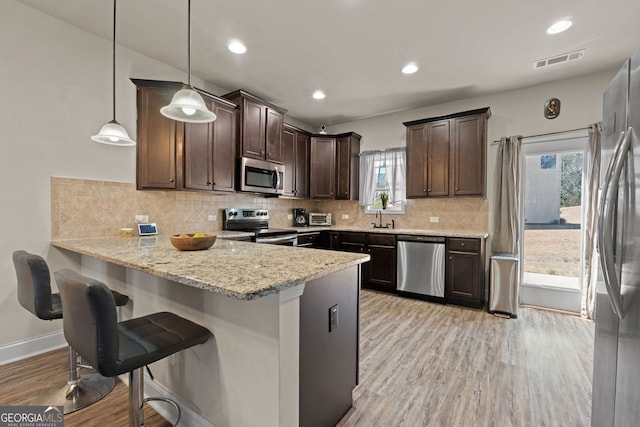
[(605, 221)]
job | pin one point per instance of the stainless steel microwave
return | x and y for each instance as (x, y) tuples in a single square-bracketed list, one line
[(258, 176)]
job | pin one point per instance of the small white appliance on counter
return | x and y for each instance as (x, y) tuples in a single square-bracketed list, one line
[(319, 218)]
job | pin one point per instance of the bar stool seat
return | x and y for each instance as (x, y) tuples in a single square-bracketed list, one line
[(113, 348), (35, 295)]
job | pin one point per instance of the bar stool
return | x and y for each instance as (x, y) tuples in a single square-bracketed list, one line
[(114, 348), (34, 294)]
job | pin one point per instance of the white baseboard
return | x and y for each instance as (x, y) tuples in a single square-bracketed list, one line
[(22, 349), (190, 417)]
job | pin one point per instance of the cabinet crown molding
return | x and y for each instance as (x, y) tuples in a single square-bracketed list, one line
[(485, 110), (243, 94)]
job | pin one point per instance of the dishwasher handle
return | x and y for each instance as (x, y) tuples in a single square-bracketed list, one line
[(421, 239)]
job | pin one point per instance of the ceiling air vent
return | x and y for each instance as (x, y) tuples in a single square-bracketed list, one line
[(566, 57)]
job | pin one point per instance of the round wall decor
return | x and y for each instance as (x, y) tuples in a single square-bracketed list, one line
[(552, 108)]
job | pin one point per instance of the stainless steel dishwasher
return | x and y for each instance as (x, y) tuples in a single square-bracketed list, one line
[(421, 263)]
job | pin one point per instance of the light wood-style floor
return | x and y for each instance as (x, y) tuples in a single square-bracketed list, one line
[(422, 364), (21, 381), (425, 364)]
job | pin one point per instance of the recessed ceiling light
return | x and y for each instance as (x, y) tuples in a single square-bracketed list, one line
[(237, 46), (559, 27), (319, 95), (410, 68)]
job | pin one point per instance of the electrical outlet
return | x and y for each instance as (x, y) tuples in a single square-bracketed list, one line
[(345, 216), (333, 318), (290, 216), (213, 217), (142, 219), (434, 219)]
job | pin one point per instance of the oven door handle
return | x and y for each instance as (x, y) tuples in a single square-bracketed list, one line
[(277, 240)]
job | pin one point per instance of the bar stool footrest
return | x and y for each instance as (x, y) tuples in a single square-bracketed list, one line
[(169, 401)]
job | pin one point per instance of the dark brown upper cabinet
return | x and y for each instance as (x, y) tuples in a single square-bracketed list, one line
[(210, 149), (446, 156), (322, 174), (159, 139), (347, 166), (175, 155), (335, 166), (296, 151), (260, 126)]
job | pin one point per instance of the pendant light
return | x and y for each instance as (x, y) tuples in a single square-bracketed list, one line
[(187, 105), (113, 133)]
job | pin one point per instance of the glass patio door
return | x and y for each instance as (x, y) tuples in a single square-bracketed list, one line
[(552, 244)]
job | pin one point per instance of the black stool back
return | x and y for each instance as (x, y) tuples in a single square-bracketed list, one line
[(34, 286), (90, 320), (113, 348)]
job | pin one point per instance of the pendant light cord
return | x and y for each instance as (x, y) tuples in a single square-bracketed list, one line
[(189, 43), (114, 60)]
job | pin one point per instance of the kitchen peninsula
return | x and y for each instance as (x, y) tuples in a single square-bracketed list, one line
[(273, 311)]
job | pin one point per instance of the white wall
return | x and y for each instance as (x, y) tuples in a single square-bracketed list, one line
[(56, 93), (515, 112)]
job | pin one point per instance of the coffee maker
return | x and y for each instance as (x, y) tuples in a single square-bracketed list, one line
[(300, 217)]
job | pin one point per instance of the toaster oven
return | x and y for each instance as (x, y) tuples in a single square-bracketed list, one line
[(319, 218)]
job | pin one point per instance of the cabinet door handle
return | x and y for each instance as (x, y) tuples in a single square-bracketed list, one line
[(450, 257), (170, 179), (261, 151), (462, 244), (209, 183), (456, 188)]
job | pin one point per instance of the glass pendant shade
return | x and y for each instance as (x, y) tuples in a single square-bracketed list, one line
[(188, 106), (113, 133)]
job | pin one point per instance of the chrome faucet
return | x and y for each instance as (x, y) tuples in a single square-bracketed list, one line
[(379, 215)]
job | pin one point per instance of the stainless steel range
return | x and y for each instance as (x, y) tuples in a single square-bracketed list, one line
[(257, 221)]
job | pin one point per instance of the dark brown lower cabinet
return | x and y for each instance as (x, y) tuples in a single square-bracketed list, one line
[(381, 270), (331, 240), (350, 241), (464, 284), (310, 240)]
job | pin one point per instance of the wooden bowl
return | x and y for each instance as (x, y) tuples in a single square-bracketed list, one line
[(186, 242)]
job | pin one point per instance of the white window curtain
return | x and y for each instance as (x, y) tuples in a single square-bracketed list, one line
[(395, 161)]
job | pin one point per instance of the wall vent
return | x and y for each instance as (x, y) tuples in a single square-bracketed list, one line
[(554, 60)]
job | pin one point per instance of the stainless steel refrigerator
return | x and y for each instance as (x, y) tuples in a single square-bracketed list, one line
[(616, 367)]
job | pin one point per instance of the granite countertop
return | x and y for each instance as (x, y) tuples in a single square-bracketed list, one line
[(239, 270), (413, 231)]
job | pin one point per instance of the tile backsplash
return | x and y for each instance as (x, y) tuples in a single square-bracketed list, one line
[(90, 208)]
